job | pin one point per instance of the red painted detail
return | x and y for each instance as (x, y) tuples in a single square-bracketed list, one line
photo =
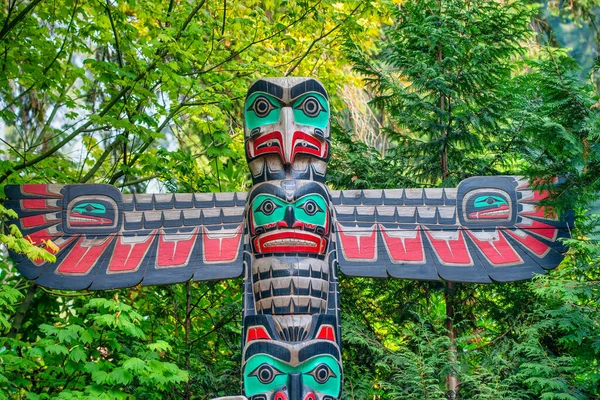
[(538, 248), (38, 204), (269, 143), (61, 243), (299, 225), (303, 143), (90, 220), (256, 333), (541, 229), (290, 241), (284, 224), (502, 212), (38, 189), (175, 253), (129, 252), (358, 246), (404, 248), (538, 181), (326, 332), (38, 220), (498, 251), (541, 212), (310, 396), (41, 236), (452, 252), (537, 196), (280, 396), (83, 256), (220, 248)]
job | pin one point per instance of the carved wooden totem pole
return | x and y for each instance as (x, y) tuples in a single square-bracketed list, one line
[(287, 236)]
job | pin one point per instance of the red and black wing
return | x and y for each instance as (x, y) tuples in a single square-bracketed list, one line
[(108, 240), (488, 229)]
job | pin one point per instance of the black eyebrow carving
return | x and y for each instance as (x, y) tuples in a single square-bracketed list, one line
[(262, 85), (310, 85)]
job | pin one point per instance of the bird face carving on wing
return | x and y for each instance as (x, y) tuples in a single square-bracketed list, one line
[(91, 213), (488, 205)]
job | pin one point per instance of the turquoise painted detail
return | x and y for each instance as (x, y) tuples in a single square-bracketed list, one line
[(312, 109), (268, 209), (487, 201), (261, 109), (90, 208), (311, 209), (321, 373)]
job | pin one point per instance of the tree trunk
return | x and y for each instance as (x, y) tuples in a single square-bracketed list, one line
[(451, 379), (22, 311), (188, 328)]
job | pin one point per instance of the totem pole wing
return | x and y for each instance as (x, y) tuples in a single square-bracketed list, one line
[(488, 229), (109, 240)]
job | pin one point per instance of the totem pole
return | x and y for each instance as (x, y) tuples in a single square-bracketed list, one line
[(287, 237)]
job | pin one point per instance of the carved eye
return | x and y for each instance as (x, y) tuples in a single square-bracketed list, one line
[(267, 207), (311, 207), (483, 201), (304, 143), (322, 373), (266, 373), (311, 107), (261, 107)]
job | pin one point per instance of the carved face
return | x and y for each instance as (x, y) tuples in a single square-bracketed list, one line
[(314, 378), (277, 370), (487, 204), (287, 129), (97, 212), (289, 221)]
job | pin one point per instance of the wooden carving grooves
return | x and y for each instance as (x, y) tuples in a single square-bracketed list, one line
[(287, 236)]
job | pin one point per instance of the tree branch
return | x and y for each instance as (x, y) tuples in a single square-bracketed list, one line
[(9, 26), (323, 36), (112, 25)]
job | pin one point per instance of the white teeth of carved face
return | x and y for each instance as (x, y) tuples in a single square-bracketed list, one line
[(289, 242), (82, 219), (500, 212)]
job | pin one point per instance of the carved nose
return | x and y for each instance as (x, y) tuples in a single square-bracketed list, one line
[(289, 216), (287, 119), (295, 386)]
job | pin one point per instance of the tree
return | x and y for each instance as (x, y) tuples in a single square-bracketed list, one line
[(439, 75), (450, 80), (129, 93)]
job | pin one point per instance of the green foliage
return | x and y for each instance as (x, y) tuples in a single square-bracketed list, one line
[(96, 351), (439, 76), (136, 92), (461, 98)]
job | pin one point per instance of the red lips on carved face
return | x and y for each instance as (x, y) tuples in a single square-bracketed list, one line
[(501, 212), (289, 241)]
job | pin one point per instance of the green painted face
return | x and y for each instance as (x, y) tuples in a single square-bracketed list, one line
[(311, 109), (261, 109), (264, 374), (309, 209), (90, 208), (487, 201)]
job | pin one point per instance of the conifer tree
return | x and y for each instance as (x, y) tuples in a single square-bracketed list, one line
[(444, 80), (439, 77)]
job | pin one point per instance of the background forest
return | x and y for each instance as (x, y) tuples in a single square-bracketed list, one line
[(147, 95)]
